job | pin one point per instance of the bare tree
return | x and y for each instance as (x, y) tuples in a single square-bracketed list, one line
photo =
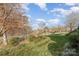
[(11, 18), (72, 21), (42, 26)]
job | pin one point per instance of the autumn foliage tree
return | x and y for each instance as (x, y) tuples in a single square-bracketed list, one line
[(11, 19)]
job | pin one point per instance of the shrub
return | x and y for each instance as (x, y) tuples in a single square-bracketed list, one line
[(14, 41), (31, 38), (72, 48), (4, 52)]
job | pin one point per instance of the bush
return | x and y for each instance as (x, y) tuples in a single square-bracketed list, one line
[(14, 41), (72, 48), (74, 40), (31, 38), (20, 50)]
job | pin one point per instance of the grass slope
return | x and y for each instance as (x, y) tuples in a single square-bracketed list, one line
[(58, 47), (41, 46)]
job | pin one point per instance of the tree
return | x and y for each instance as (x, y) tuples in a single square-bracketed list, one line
[(11, 19), (72, 21), (43, 27)]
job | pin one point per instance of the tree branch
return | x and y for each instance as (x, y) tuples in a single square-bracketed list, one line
[(7, 16)]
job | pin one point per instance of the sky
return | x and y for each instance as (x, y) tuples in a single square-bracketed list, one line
[(53, 14)]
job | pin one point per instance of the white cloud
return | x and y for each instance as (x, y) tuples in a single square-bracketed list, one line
[(29, 20), (29, 16), (74, 9), (70, 4), (35, 26), (61, 11), (42, 6), (50, 22), (40, 20), (25, 7), (54, 21), (65, 12), (57, 10)]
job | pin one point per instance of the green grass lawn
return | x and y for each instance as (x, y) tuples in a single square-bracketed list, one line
[(58, 47), (41, 46)]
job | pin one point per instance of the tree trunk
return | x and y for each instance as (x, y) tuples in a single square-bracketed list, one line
[(71, 27), (4, 39)]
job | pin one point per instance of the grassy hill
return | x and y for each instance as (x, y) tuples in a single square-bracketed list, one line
[(57, 47), (48, 45)]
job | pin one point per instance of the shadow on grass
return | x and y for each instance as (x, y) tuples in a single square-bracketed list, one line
[(57, 48)]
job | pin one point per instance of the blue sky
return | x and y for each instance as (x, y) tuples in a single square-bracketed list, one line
[(53, 14)]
